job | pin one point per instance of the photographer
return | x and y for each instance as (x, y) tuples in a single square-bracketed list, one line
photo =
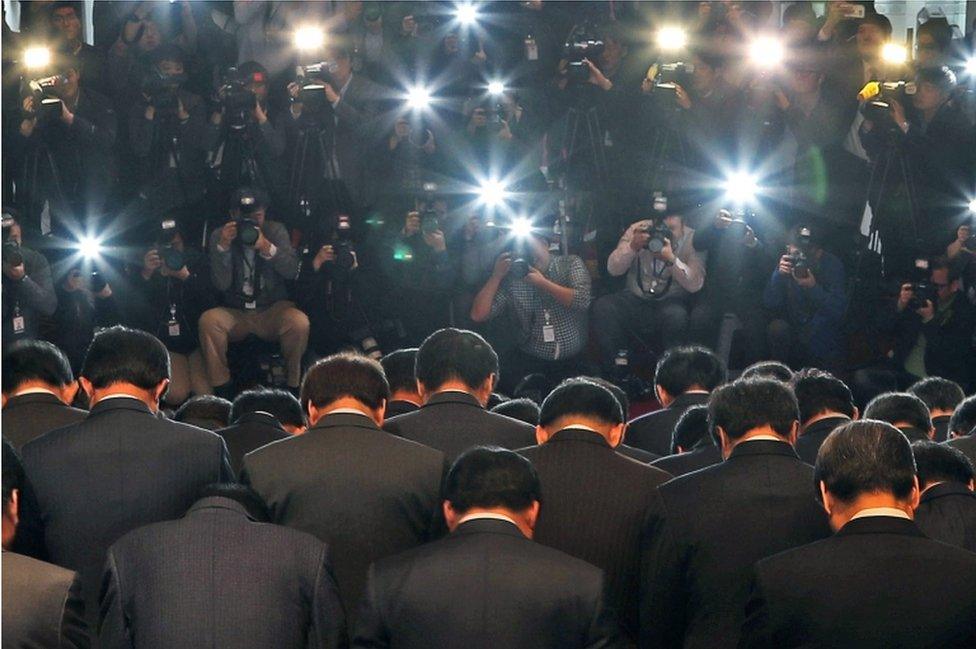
[(663, 270), (28, 292), (807, 298), (170, 289), (66, 23), (251, 259), (547, 296), (409, 150), (85, 302)]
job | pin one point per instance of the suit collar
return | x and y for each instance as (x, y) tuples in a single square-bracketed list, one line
[(488, 526), (827, 424), (218, 502), (121, 403), (452, 397), (881, 525), (579, 435), (343, 420), (262, 418), (946, 489), (763, 447), (686, 400), (34, 397)]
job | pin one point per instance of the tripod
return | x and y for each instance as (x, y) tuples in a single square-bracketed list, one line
[(235, 155), (583, 126), (666, 140), (41, 159)]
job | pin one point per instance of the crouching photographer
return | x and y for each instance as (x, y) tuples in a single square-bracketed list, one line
[(170, 289), (28, 291), (251, 259)]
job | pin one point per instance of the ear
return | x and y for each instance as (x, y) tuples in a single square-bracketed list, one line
[(932, 433), (312, 413), (825, 499), (856, 414), (616, 435), (451, 517), (422, 391), (541, 435), (680, 448), (69, 392), (794, 433), (86, 386), (484, 390), (380, 413), (724, 442), (972, 484), (532, 514), (160, 391), (662, 396), (3, 399), (13, 509), (915, 495)]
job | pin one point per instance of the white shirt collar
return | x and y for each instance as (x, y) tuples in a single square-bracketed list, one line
[(345, 411), (486, 515), (763, 438), (119, 395), (582, 427), (34, 391), (893, 512)]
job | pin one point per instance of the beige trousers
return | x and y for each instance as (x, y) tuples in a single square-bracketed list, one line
[(187, 376)]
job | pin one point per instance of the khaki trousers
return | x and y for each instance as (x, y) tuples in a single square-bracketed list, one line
[(186, 375)]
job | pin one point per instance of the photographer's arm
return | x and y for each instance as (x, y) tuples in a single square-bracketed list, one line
[(284, 259), (688, 269), (99, 131), (774, 295), (221, 263), (490, 301), (620, 260), (38, 287)]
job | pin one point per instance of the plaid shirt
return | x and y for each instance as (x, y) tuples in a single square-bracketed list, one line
[(534, 309)]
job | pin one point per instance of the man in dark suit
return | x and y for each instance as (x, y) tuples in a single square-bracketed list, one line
[(596, 499), (487, 584), (366, 493), (904, 411), (878, 582), (825, 403), (456, 373), (947, 506), (266, 585), (399, 367), (941, 396), (623, 448), (683, 378), (694, 444), (122, 467), (259, 417), (37, 387), (962, 428), (708, 528), (42, 604)]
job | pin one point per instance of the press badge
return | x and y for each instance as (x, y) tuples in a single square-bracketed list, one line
[(248, 288), (174, 329), (548, 334), (250, 306), (19, 324)]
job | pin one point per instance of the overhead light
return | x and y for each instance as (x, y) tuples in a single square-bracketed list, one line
[(766, 52), (36, 58), (492, 192), (672, 38), (892, 53), (496, 88), (309, 38), (741, 188), (418, 98), (466, 13)]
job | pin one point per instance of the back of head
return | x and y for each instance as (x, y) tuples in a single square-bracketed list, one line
[(345, 375), (241, 494), (34, 360), (768, 370), (866, 457), (747, 404), (938, 393), (684, 368), (525, 410), (940, 31), (281, 404), (13, 471), (940, 463), (616, 391), (691, 429), (399, 369), (580, 399), (818, 392), (123, 355), (204, 411), (899, 409), (490, 477), (455, 355), (963, 418)]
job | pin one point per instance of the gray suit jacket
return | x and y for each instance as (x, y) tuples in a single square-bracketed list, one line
[(42, 605), (227, 268), (216, 578), (29, 416)]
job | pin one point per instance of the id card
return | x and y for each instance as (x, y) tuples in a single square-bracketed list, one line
[(250, 306), (247, 288), (174, 329), (19, 324), (548, 334)]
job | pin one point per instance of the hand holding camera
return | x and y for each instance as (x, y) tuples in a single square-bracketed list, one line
[(681, 95), (502, 266), (325, 255), (151, 262), (435, 240), (227, 234), (16, 272)]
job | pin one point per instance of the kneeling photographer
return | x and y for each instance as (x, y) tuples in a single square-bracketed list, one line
[(663, 270), (28, 291), (170, 289), (807, 298), (251, 259)]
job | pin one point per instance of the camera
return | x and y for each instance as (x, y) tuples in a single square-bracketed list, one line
[(801, 265), (345, 257), (248, 230), (660, 235), (670, 75), (162, 90), (98, 282), (922, 291), (429, 222), (877, 108), (12, 256), (47, 105), (312, 79), (581, 45), (236, 99), (172, 257)]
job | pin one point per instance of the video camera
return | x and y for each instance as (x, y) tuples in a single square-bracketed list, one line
[(162, 90), (877, 98), (47, 105), (669, 75), (237, 100), (312, 79), (171, 256), (581, 44)]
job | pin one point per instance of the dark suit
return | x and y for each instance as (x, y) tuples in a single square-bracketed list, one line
[(705, 532), (812, 438), (947, 513), (697, 458), (400, 407), (252, 430), (639, 454), (652, 432), (29, 416), (484, 586), (941, 424), (367, 494), (119, 469), (966, 444), (879, 582), (216, 578), (595, 501), (453, 422), (42, 605)]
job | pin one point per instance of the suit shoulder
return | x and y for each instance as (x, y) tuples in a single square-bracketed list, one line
[(37, 569)]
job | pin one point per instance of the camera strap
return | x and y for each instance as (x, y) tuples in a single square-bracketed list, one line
[(658, 281), (18, 323)]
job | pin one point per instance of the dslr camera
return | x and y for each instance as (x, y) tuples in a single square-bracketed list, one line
[(248, 230), (12, 256), (669, 75), (162, 90), (800, 258), (312, 79), (878, 107), (171, 256), (582, 44), (47, 105), (237, 101), (345, 257), (922, 291), (659, 233)]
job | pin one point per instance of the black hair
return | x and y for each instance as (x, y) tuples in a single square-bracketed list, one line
[(691, 430), (895, 407), (168, 52), (345, 375), (241, 494), (248, 69), (65, 4), (525, 410), (800, 11), (616, 391), (938, 393), (963, 419), (937, 462), (939, 30), (204, 410), (581, 396), (768, 370), (282, 404), (34, 360), (13, 471), (940, 76), (944, 263), (455, 354), (681, 368), (746, 404), (880, 20), (865, 456), (399, 369), (122, 355), (712, 59), (818, 392), (487, 477)]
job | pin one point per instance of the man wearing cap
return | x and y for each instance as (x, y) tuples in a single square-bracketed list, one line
[(251, 258)]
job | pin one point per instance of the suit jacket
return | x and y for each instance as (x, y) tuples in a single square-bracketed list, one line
[(252, 430), (484, 586), (595, 502), (941, 424), (29, 416), (966, 444), (879, 582), (42, 605), (400, 407), (453, 422), (697, 458), (367, 494), (265, 585), (705, 532), (639, 454), (119, 469), (809, 443), (652, 432), (947, 513)]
